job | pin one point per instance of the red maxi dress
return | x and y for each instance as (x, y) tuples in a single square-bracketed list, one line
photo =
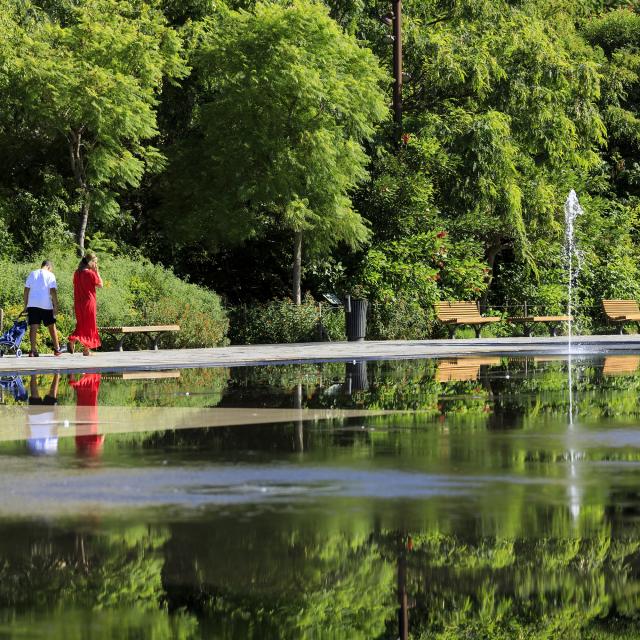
[(89, 440), (84, 300)]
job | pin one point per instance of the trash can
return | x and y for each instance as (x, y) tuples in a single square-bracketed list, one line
[(355, 311), (355, 376)]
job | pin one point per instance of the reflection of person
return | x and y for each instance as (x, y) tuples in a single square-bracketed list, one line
[(41, 305), (85, 281), (42, 428), (91, 442)]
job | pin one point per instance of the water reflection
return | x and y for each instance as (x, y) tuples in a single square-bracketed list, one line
[(87, 387), (43, 430), (502, 502)]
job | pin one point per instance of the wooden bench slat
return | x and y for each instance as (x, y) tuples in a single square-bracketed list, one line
[(620, 310), (539, 318), (141, 329), (620, 365)]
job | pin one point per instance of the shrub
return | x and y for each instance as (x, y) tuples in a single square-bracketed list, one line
[(282, 321), (400, 319), (135, 292)]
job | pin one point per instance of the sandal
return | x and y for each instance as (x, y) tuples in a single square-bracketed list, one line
[(34, 354), (87, 352)]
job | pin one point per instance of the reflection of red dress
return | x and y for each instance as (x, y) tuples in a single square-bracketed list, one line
[(84, 301), (87, 389)]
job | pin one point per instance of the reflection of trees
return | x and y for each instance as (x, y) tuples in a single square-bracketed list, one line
[(50, 577), (519, 588), (194, 388), (89, 570), (280, 583), (231, 579)]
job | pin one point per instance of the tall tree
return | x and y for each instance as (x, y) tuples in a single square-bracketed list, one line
[(290, 99), (91, 82)]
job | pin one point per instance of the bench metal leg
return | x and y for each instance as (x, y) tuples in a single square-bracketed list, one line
[(477, 329), (621, 328), (553, 330), (153, 340), (452, 331), (119, 343)]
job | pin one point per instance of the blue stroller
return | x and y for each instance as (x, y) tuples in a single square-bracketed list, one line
[(12, 339), (14, 385)]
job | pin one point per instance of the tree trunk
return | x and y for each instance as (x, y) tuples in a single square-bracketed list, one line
[(80, 175), (491, 253), (84, 218), (297, 266)]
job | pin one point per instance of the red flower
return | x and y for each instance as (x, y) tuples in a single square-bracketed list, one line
[(405, 138), (441, 234)]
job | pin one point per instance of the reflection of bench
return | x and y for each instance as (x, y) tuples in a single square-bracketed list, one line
[(459, 313), (620, 365), (153, 332), (529, 322), (460, 369), (621, 311), (141, 375)]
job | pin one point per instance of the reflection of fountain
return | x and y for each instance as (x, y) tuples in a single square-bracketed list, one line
[(355, 376), (572, 210), (298, 443)]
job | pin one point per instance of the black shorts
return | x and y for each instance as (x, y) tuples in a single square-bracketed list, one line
[(46, 401), (39, 316)]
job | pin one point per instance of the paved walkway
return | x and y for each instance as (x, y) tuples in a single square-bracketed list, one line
[(238, 356)]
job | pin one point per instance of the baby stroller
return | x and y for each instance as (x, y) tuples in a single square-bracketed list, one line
[(12, 339), (14, 386)]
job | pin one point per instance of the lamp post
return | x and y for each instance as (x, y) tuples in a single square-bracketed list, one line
[(394, 20), (397, 63)]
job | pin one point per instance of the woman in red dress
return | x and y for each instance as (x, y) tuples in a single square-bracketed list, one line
[(85, 281), (89, 440)]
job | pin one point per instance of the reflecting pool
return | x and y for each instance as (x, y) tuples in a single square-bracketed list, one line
[(464, 498)]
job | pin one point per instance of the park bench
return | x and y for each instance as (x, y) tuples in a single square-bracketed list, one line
[(620, 365), (460, 313), (153, 332), (621, 311), (528, 322), (141, 375), (461, 369)]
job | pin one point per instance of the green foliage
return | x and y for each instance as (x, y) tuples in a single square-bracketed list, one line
[(90, 83), (283, 321), (276, 131), (288, 101)]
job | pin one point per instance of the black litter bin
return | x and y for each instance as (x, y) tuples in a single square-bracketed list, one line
[(355, 376), (355, 311)]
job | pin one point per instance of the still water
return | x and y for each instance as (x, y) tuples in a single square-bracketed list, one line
[(468, 498)]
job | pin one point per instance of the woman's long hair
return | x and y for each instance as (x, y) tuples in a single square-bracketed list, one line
[(86, 259)]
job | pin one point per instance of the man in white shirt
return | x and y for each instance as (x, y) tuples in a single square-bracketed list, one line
[(41, 305)]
